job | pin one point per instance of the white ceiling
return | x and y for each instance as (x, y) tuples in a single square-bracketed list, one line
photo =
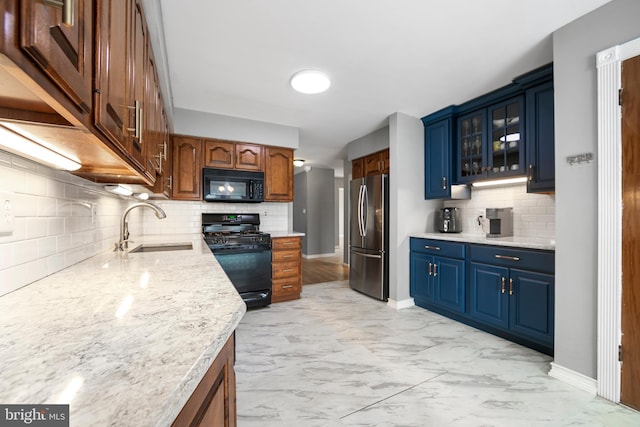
[(235, 58)]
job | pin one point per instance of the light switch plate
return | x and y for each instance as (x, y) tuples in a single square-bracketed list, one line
[(6, 212)]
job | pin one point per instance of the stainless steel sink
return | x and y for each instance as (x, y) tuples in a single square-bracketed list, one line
[(162, 247)]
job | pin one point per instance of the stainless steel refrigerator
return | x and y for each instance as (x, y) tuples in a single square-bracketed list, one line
[(369, 236)]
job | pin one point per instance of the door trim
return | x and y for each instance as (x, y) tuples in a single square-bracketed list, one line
[(609, 66)]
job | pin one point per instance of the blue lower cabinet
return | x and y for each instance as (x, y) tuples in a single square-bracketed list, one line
[(531, 302), (487, 295), (449, 284), (421, 271)]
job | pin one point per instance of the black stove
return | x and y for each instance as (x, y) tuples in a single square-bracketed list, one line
[(243, 251)]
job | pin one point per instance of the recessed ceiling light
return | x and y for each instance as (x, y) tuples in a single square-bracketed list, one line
[(310, 81)]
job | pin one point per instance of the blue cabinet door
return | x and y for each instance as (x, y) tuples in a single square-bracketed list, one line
[(540, 136), (421, 285), (531, 301), (449, 283), (437, 160), (471, 148), (488, 298), (506, 139)]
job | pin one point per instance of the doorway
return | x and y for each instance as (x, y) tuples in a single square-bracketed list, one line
[(630, 340)]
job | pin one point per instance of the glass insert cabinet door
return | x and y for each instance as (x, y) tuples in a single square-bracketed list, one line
[(506, 147), (472, 144)]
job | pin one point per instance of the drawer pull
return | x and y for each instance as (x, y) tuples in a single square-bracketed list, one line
[(435, 248), (287, 286), (287, 256), (287, 243), (502, 288), (287, 270), (510, 258)]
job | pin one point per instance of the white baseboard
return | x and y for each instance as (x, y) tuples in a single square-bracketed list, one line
[(318, 255), (574, 378), (399, 305)]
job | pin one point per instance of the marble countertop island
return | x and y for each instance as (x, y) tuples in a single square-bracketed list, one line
[(124, 338), (516, 242)]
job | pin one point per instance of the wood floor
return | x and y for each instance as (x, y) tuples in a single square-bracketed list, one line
[(325, 269)]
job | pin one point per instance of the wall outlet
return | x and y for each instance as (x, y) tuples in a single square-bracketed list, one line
[(6, 213)]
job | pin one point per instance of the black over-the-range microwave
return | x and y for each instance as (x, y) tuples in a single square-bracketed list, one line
[(235, 186)]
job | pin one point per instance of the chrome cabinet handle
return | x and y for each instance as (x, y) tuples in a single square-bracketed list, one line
[(137, 129), (287, 256), (530, 177), (287, 286), (67, 10), (430, 269), (510, 286), (510, 258), (444, 182), (435, 270), (434, 248), (170, 186), (502, 287), (287, 270)]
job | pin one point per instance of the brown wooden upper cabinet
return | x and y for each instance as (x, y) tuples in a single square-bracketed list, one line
[(59, 39), (219, 154), (187, 168), (278, 174), (372, 164), (248, 157)]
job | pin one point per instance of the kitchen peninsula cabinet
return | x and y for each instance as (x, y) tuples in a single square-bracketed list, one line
[(278, 174), (59, 39), (438, 275), (213, 403), (187, 169), (286, 268)]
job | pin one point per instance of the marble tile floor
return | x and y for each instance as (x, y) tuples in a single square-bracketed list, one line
[(339, 358)]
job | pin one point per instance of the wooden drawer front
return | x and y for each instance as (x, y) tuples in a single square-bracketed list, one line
[(285, 256), (438, 247), (285, 243), (528, 259), (285, 269), (285, 287)]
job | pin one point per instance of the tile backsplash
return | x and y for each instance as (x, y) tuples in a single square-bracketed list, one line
[(533, 214), (60, 219)]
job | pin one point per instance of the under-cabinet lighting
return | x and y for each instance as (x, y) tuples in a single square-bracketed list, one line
[(500, 182), (141, 196), (119, 189), (510, 137), (18, 144)]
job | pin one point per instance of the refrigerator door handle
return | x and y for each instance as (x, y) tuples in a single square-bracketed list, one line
[(365, 204), (361, 207), (367, 255)]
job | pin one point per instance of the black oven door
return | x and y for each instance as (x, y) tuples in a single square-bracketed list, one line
[(250, 272)]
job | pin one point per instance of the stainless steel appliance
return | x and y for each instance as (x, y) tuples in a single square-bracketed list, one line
[(448, 220), (369, 236), (228, 185), (243, 252), (500, 222)]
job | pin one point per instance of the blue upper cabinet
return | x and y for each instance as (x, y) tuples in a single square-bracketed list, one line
[(437, 160), (540, 132), (505, 133)]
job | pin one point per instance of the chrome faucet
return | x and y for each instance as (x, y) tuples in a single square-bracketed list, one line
[(123, 243)]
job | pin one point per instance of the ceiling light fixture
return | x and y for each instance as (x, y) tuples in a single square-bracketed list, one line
[(310, 81), (298, 162), (500, 182), (119, 189), (18, 144)]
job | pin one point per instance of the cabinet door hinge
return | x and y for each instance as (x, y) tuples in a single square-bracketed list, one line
[(620, 96), (620, 353)]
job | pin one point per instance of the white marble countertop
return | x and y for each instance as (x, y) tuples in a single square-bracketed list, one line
[(517, 242), (277, 234), (124, 338)]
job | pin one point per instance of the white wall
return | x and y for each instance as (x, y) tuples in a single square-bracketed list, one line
[(375, 141), (199, 123), (575, 46), (408, 209)]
